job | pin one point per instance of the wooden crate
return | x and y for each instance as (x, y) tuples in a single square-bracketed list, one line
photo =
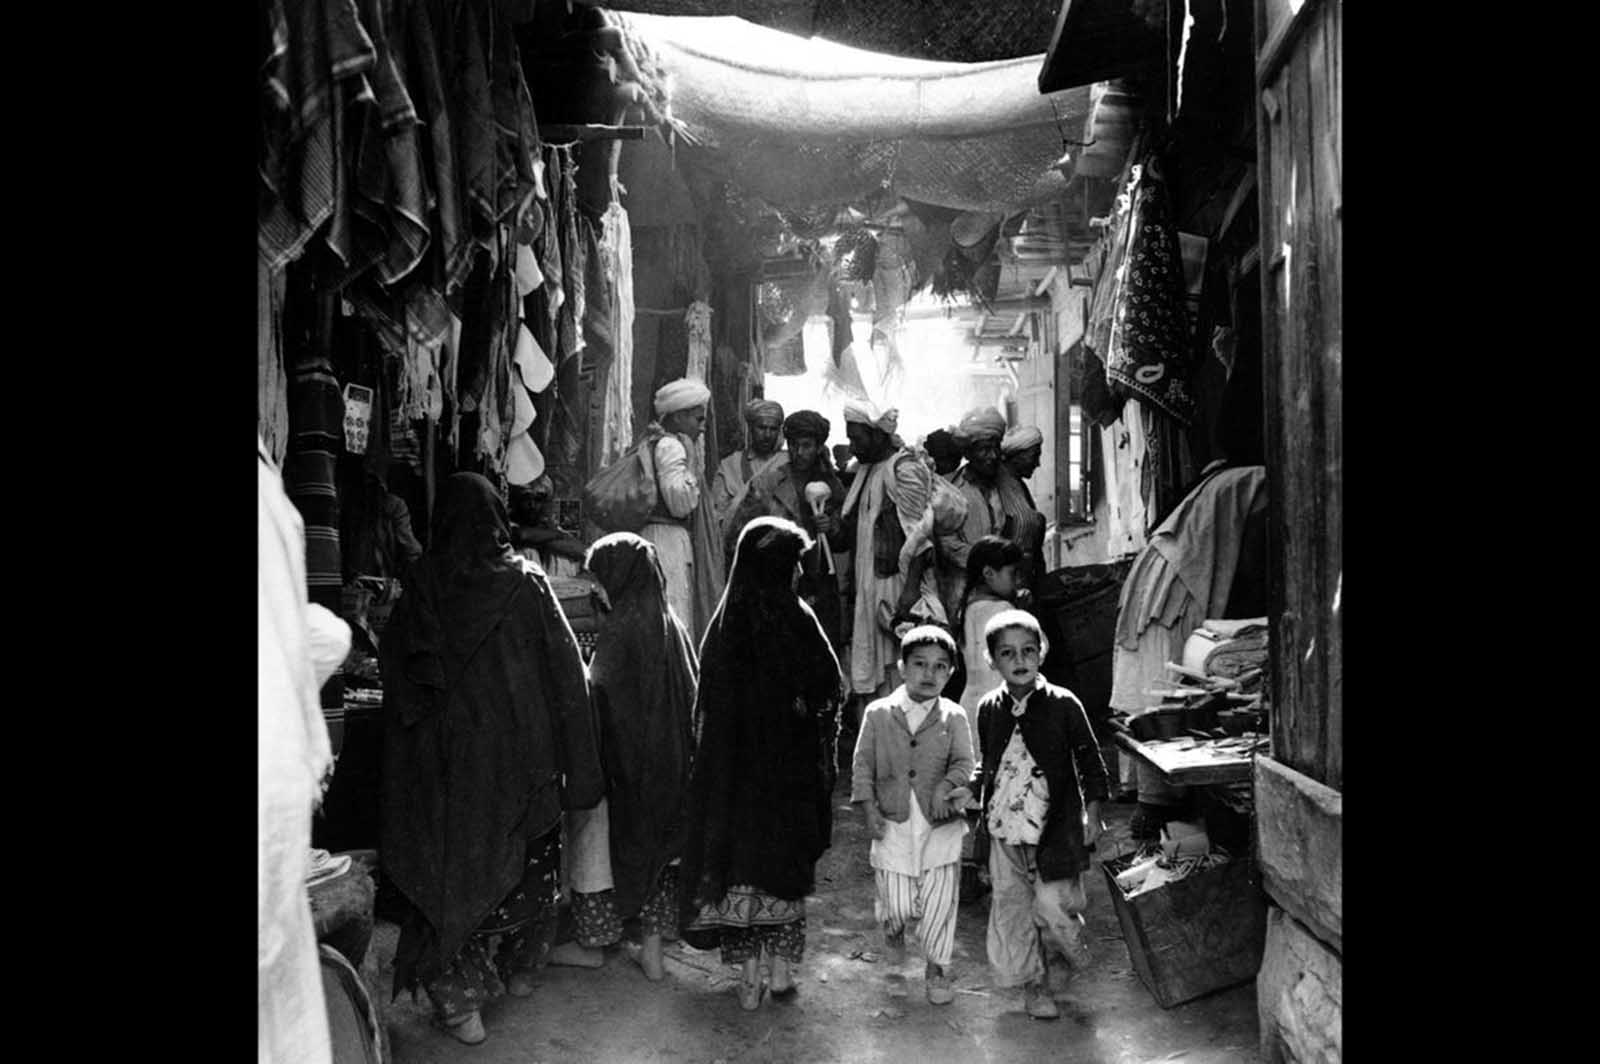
[(1202, 933)]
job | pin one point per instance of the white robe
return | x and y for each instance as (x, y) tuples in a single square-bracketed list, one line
[(298, 646)]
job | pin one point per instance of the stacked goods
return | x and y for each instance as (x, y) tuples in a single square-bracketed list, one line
[(1201, 705), (1228, 648)]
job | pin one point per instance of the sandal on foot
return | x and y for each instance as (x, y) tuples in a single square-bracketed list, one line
[(1038, 1002), (467, 1029), (939, 990)]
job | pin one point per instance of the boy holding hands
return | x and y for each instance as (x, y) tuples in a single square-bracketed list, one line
[(911, 779), (1042, 782)]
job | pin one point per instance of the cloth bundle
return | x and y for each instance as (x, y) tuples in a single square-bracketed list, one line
[(1240, 650)]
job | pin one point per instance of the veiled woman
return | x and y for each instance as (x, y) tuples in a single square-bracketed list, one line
[(643, 677), (759, 812), (488, 735)]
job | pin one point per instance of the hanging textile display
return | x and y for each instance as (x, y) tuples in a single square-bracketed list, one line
[(316, 53), (698, 320), (272, 382), (616, 245), (1148, 353), (317, 437)]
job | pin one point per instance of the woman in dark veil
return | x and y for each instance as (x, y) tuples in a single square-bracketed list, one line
[(643, 680), (488, 735), (759, 807)]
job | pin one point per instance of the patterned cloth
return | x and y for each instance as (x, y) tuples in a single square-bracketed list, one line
[(659, 916), (596, 918), (317, 437), (783, 940), (1021, 796), (1148, 351), (525, 924)]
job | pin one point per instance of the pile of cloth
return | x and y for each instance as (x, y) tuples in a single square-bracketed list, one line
[(1184, 850), (1239, 647)]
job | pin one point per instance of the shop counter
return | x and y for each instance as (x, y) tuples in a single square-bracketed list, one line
[(1190, 761)]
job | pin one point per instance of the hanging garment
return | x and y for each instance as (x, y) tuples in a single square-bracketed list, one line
[(573, 256), (315, 50), (698, 320), (272, 383), (428, 39), (317, 438), (617, 246), (1148, 354)]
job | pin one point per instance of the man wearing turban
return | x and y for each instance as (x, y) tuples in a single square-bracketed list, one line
[(763, 424), (806, 490), (683, 526), (1021, 451), (997, 502), (888, 499)]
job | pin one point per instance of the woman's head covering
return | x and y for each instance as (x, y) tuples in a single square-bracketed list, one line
[(1020, 439), (627, 568), (764, 560), (471, 529), (682, 394), (982, 423), (807, 423), (865, 412), (762, 409)]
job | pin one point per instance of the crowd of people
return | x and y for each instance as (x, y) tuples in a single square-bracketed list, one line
[(761, 633)]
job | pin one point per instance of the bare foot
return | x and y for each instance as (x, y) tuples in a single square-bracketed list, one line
[(782, 981), (572, 955), (650, 959)]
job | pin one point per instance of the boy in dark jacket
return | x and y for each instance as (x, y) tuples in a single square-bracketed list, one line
[(1042, 782)]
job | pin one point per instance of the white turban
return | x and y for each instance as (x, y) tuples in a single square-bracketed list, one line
[(863, 412), (983, 423), (683, 394), (1020, 439)]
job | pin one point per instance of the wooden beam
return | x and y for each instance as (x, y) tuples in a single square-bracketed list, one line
[(1276, 51), (566, 134), (1247, 185), (1300, 847), (1044, 282)]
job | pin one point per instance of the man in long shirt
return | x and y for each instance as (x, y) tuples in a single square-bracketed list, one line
[(892, 489), (681, 526), (763, 421)]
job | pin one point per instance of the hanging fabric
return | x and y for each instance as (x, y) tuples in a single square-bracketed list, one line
[(272, 383), (1149, 347), (698, 321), (616, 244)]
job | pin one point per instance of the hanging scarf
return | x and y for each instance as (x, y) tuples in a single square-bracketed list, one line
[(1148, 350)]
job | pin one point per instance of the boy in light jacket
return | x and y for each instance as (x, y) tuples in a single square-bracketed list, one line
[(911, 779)]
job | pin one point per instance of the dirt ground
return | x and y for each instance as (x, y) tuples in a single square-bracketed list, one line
[(843, 1011)]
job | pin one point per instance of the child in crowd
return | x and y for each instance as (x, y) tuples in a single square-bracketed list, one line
[(1042, 782), (912, 774), (991, 589)]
